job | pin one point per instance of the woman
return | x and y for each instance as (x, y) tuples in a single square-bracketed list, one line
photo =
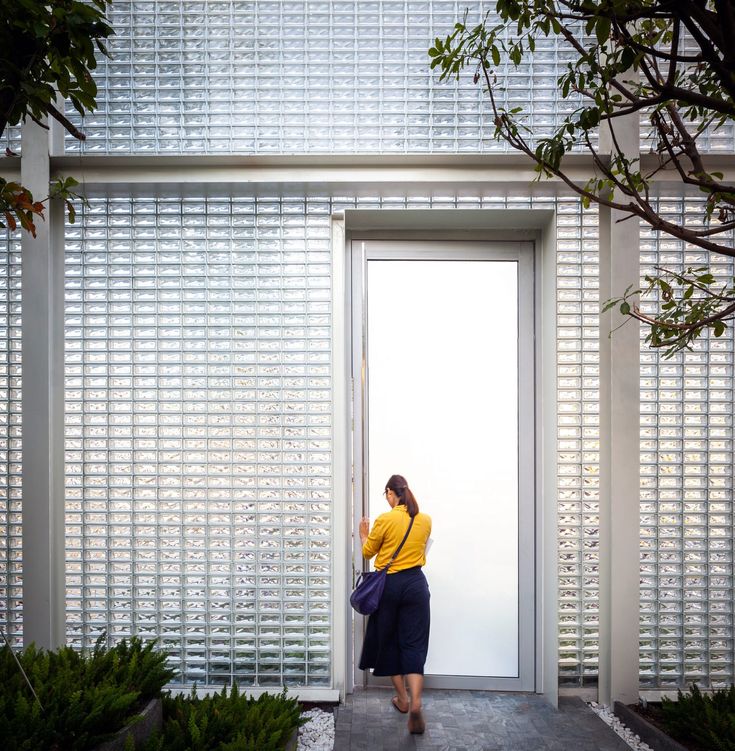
[(397, 635)]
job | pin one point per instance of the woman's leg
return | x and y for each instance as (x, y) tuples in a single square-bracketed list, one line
[(416, 722), (413, 629), (401, 695), (415, 687), (380, 646), (413, 641)]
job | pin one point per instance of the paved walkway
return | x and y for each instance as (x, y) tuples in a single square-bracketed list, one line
[(472, 721)]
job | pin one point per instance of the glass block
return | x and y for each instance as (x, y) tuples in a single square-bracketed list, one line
[(712, 139), (11, 140), (686, 488), (578, 469), (294, 78), (162, 490), (198, 447), (11, 522)]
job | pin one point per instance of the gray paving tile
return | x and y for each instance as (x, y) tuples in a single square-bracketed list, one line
[(472, 721)]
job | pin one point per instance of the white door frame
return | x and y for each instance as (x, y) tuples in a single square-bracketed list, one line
[(514, 224), (523, 254)]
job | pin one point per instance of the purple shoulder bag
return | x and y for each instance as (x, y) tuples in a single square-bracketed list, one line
[(365, 598)]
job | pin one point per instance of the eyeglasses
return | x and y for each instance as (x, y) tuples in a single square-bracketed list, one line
[(385, 492)]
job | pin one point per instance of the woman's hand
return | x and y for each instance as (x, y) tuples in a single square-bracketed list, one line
[(364, 529)]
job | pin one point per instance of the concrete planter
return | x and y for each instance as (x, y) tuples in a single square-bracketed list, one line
[(293, 741), (149, 720), (650, 734)]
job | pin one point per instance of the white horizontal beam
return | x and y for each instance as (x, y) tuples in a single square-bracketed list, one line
[(355, 170), (225, 172)]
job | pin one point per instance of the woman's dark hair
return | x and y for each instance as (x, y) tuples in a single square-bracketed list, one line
[(398, 484)]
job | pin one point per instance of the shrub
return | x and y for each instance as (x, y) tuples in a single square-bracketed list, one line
[(708, 721), (225, 722), (83, 699)]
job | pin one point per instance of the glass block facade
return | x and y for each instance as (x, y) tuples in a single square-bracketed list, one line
[(199, 370), (11, 139), (198, 434), (686, 489), (264, 77), (11, 523), (198, 430), (713, 139), (578, 436)]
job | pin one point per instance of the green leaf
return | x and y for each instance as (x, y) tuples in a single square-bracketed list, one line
[(602, 30), (609, 305), (625, 308)]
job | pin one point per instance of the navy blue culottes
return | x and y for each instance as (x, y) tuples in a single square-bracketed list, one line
[(397, 634)]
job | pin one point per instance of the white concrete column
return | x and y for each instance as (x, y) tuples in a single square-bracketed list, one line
[(547, 473), (619, 453), (43, 405), (57, 130), (342, 674)]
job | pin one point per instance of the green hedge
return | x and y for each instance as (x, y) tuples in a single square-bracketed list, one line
[(83, 699), (706, 720), (225, 722)]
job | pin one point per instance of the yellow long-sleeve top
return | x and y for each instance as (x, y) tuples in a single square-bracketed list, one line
[(386, 536)]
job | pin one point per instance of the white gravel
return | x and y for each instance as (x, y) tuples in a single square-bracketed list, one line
[(607, 716), (318, 733)]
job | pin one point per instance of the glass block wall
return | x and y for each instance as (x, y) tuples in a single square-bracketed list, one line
[(11, 139), (198, 430), (712, 139), (686, 489), (298, 77), (11, 541), (578, 435), (198, 434)]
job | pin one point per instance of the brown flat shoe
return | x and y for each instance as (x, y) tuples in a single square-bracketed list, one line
[(416, 724), (394, 702)]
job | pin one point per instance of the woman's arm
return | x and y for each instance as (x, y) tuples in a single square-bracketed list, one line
[(371, 542)]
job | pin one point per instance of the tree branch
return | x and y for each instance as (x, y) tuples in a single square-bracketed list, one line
[(725, 227), (38, 122), (726, 19), (683, 280), (675, 159), (68, 125), (724, 75), (686, 327), (692, 97), (689, 147), (674, 48), (700, 18)]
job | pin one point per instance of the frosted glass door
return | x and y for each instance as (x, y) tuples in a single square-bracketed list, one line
[(441, 407)]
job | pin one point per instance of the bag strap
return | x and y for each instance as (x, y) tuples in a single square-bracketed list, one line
[(398, 549)]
